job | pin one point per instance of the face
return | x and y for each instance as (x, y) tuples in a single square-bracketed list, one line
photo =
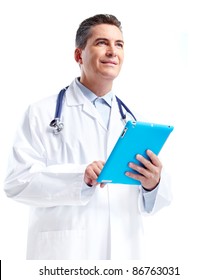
[(103, 55)]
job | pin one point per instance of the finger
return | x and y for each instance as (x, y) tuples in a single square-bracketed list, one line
[(90, 177), (137, 177), (91, 174), (149, 181), (145, 162), (154, 158), (141, 170), (97, 166)]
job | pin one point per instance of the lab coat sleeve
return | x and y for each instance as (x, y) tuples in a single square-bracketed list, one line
[(152, 201), (29, 180)]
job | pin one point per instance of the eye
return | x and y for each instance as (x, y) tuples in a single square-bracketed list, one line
[(119, 45), (101, 43)]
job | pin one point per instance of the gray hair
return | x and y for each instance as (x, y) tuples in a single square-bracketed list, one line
[(84, 31)]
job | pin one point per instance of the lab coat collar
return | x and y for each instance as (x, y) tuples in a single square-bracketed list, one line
[(91, 96), (75, 97)]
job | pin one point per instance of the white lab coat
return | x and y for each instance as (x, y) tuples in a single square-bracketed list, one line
[(69, 220)]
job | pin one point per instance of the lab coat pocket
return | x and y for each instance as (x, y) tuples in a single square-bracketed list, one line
[(62, 245)]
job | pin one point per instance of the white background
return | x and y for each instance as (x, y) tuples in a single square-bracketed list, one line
[(169, 75)]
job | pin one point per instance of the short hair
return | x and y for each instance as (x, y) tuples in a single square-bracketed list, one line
[(84, 31)]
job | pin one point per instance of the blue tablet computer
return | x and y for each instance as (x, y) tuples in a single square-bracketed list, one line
[(136, 138)]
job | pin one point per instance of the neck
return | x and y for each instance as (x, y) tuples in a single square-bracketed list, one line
[(99, 87)]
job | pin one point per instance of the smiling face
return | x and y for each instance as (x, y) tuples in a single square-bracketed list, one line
[(102, 58)]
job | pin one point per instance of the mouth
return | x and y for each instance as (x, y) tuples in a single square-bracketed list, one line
[(109, 62)]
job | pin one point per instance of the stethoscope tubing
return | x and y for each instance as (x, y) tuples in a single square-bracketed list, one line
[(56, 123), (59, 103)]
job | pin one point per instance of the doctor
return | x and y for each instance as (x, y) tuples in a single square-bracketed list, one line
[(72, 217)]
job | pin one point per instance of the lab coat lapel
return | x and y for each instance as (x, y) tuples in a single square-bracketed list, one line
[(75, 97), (115, 127), (89, 109)]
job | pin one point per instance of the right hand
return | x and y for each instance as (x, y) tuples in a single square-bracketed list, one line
[(92, 172)]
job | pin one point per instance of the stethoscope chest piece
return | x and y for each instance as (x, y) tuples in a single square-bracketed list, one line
[(57, 125)]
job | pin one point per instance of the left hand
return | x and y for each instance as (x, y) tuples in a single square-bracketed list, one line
[(150, 173)]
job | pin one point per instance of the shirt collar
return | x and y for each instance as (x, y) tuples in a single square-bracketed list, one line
[(91, 96)]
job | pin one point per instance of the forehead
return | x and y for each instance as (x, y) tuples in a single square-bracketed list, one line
[(107, 31)]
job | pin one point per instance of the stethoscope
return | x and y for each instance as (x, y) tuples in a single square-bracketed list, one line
[(58, 125)]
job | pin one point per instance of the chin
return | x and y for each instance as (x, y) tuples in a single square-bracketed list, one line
[(110, 76)]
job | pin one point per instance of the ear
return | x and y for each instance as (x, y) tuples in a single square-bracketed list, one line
[(77, 55)]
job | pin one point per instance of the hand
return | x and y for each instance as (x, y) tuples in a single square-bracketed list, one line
[(92, 172), (149, 173)]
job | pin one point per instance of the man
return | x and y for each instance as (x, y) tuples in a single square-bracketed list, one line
[(71, 216)]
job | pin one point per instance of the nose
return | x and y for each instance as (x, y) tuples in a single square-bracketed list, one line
[(111, 51)]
